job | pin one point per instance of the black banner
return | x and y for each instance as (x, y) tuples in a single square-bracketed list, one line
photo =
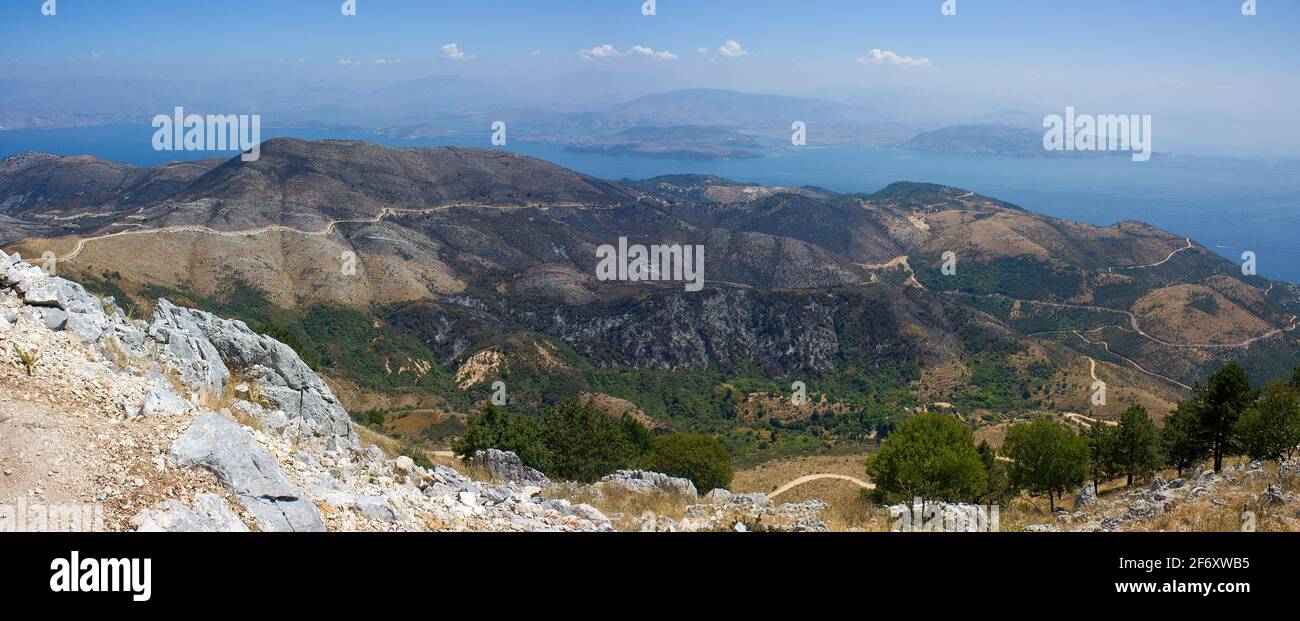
[(932, 569)]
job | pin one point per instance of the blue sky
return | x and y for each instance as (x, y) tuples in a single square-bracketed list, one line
[(1157, 37), (1190, 59)]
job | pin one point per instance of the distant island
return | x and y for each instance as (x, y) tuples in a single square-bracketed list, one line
[(992, 139), (684, 142)]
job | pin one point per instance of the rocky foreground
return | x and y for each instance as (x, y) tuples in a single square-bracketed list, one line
[(190, 422)]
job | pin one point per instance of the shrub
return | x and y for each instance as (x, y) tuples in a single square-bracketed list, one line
[(374, 418), (570, 441), (29, 360), (702, 459)]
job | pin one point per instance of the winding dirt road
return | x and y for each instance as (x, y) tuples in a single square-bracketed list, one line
[(808, 478), (1128, 360), (1156, 264), (1133, 322), (195, 228)]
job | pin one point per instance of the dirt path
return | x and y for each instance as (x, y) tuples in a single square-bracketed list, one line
[(1133, 322), (1128, 360), (1088, 420), (815, 477), (194, 228), (1156, 264)]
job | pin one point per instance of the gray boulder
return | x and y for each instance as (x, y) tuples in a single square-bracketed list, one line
[(506, 466), (246, 469), (164, 400), (54, 318)]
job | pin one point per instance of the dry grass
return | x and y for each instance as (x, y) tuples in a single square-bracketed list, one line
[(846, 507), (115, 353), (623, 506)]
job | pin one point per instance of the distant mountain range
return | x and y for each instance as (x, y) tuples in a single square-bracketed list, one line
[(457, 252)]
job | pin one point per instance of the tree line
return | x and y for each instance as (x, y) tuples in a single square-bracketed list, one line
[(934, 457), (578, 442)]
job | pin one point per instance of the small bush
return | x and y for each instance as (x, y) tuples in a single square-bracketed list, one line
[(29, 360), (373, 418)]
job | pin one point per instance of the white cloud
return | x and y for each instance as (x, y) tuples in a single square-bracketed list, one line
[(359, 63), (703, 50), (638, 50), (600, 51), (886, 57), (732, 49), (96, 55), (609, 51), (453, 51)]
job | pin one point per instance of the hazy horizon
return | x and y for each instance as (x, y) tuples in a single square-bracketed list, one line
[(1215, 81)]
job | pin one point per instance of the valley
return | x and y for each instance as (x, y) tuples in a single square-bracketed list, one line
[(484, 260)]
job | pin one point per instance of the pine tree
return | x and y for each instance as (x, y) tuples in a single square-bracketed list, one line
[(1181, 439), (1137, 444), (1223, 400), (1048, 458), (1101, 449)]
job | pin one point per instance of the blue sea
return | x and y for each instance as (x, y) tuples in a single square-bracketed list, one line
[(1228, 205)]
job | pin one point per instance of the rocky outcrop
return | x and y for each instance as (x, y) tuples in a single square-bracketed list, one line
[(291, 463), (201, 342), (506, 466), (643, 481), (65, 305)]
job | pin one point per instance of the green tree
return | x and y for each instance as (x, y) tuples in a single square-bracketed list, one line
[(1048, 459), (1137, 444), (702, 459), (1221, 401), (493, 427), (1270, 429), (999, 487), (1102, 445), (1295, 378), (931, 457), (586, 444), (1181, 439)]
